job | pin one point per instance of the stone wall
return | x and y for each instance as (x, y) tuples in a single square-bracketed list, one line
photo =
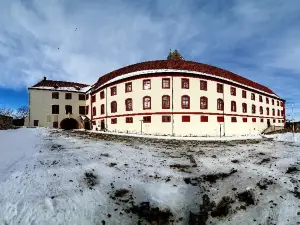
[(6, 122)]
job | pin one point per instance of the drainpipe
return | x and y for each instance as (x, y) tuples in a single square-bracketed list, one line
[(223, 111), (172, 109), (106, 127)]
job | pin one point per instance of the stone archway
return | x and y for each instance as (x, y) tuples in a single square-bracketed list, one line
[(69, 124)]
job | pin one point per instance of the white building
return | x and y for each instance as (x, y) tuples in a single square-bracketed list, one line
[(167, 97)]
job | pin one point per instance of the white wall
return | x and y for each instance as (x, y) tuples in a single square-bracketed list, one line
[(195, 127), (40, 106)]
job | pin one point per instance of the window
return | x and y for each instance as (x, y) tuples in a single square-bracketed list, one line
[(244, 94), (233, 119), (254, 120), (272, 101), (94, 122), (87, 96), (278, 112), (204, 118), (267, 100), (220, 88), (277, 103), (81, 97), (35, 123), (220, 104), (48, 118), (102, 109), (55, 109), (82, 110), (147, 84), (244, 106), (128, 87), (129, 119), (261, 120), (185, 83), (113, 107), (245, 120), (94, 111), (87, 110), (281, 112), (128, 104), (147, 102), (166, 102), (113, 120), (166, 119), (233, 106), (260, 99), (252, 96), (93, 98), (268, 111), (68, 96), (273, 112), (233, 91), (253, 109), (55, 95), (55, 124), (165, 83), (186, 119), (68, 109), (274, 121), (261, 110), (147, 119), (185, 102), (203, 85), (203, 102), (102, 95), (281, 104), (220, 119), (113, 91)]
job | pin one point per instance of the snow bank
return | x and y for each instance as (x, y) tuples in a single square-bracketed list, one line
[(288, 137), (231, 138)]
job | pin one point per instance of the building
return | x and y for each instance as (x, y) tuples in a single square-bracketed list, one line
[(57, 104), (174, 97)]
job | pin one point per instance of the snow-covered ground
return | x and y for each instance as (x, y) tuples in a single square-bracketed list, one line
[(56, 177)]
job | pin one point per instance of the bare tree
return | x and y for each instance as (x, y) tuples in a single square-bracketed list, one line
[(6, 112), (22, 112)]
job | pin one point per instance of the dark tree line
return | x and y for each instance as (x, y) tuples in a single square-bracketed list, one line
[(20, 113)]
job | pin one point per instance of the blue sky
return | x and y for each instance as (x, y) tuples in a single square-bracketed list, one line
[(259, 40)]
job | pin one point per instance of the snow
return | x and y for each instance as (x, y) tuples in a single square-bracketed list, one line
[(153, 72), (42, 178), (191, 138), (73, 89), (289, 137)]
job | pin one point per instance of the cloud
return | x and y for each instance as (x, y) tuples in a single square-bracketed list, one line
[(82, 40)]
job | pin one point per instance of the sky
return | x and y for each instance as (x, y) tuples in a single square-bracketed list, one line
[(80, 41)]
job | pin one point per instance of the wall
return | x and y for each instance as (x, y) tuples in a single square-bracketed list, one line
[(6, 122), (194, 127), (41, 106)]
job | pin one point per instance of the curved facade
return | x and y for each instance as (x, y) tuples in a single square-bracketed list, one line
[(182, 98)]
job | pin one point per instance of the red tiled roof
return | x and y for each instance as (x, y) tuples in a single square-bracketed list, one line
[(53, 83), (182, 65)]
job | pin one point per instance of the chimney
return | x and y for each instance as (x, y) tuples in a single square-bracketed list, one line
[(45, 78)]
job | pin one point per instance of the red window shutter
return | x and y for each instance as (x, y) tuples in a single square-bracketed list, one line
[(204, 118), (166, 119), (186, 119), (245, 120), (220, 119), (233, 119), (253, 120)]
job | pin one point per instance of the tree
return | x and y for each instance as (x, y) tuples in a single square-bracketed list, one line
[(6, 112), (22, 112)]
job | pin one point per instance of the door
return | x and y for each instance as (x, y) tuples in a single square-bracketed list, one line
[(102, 125), (268, 122), (55, 124), (36, 123)]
